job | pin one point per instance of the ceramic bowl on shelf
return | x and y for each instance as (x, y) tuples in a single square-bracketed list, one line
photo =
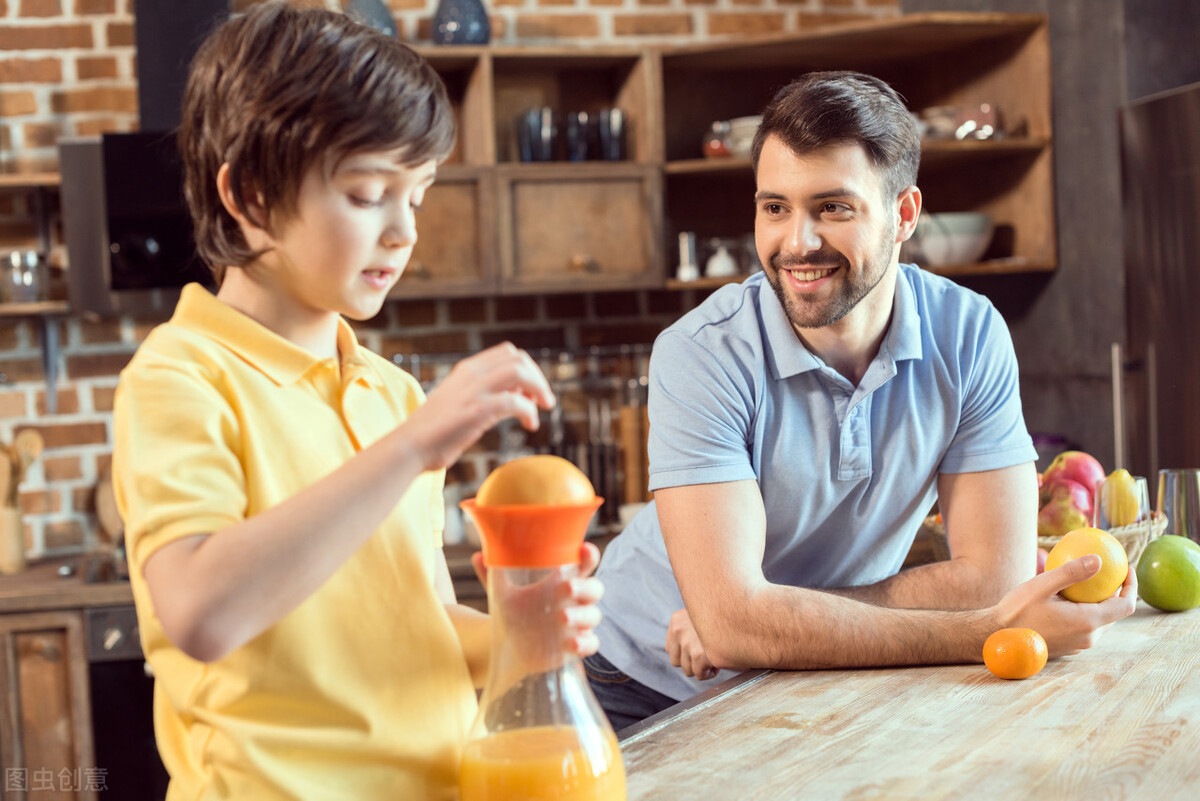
[(741, 135), (949, 238)]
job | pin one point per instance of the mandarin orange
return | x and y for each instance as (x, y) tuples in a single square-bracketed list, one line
[(1015, 653)]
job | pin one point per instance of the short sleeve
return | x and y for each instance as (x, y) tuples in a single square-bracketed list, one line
[(991, 432), (176, 465), (701, 413)]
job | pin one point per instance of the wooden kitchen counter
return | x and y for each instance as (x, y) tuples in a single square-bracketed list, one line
[(40, 588), (1121, 720)]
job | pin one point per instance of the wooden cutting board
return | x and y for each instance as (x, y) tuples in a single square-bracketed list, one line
[(112, 528)]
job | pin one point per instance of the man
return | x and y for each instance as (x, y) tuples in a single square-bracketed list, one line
[(803, 423)]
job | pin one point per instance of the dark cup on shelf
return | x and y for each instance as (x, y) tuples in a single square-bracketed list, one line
[(583, 141), (610, 124), (537, 134)]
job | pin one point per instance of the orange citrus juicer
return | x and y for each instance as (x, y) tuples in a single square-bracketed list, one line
[(532, 535)]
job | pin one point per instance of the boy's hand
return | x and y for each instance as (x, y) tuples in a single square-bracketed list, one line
[(502, 381), (578, 615)]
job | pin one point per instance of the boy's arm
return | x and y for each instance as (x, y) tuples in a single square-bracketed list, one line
[(215, 592), (472, 626), (715, 536)]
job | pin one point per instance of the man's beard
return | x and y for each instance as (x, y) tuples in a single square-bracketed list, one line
[(852, 290)]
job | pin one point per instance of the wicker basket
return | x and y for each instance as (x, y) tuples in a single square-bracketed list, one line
[(1133, 538)]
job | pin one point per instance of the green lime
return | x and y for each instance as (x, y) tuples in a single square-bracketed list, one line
[(1168, 574)]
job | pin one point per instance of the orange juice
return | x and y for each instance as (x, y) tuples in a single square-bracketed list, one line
[(542, 762)]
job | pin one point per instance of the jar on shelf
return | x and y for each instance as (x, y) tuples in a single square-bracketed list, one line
[(716, 141)]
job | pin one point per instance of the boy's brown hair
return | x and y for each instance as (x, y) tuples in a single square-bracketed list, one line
[(275, 90)]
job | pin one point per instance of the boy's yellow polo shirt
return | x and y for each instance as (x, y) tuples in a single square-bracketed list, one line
[(362, 691)]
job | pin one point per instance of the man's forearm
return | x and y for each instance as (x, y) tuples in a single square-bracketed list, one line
[(795, 629), (953, 584)]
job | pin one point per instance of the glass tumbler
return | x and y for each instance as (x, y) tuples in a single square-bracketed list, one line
[(1179, 500)]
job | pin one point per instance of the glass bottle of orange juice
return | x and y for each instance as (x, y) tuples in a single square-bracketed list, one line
[(540, 733)]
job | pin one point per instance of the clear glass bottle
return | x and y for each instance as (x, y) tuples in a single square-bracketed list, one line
[(540, 733)]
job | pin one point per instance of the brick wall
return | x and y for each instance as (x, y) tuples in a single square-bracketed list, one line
[(68, 67)]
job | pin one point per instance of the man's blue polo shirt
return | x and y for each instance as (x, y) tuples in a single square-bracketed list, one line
[(846, 473)]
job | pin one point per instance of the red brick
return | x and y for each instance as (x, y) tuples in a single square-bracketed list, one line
[(39, 8), (66, 402), (557, 26), (414, 312), (45, 37), (83, 499), (95, 332), (651, 24), (12, 404), (616, 304), (41, 134), (530, 339), (97, 364), (566, 307), (467, 310), (449, 342), (87, 7), (95, 67), (653, 2), (67, 435), (101, 98), (119, 34), (40, 502), (16, 103), (807, 21), (555, 2), (744, 3), (639, 333), (22, 369), (408, 5), (722, 22), (62, 468), (31, 70), (606, 2), (523, 307), (102, 398), (502, 3), (63, 535), (98, 125)]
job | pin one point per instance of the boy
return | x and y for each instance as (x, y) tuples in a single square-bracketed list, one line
[(281, 485)]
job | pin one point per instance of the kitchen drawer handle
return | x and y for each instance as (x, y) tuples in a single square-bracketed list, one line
[(583, 263)]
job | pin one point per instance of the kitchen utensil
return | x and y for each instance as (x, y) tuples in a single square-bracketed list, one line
[(611, 131), (12, 541), (28, 445), (537, 134), (582, 137), (6, 478), (688, 269), (1179, 501)]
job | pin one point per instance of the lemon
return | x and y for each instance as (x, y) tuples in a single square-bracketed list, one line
[(1113, 569), (1119, 496)]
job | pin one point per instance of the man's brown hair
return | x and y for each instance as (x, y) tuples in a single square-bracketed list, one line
[(822, 109), (274, 91)]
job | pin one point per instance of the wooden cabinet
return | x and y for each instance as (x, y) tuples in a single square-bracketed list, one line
[(45, 722), (931, 60), (495, 224), (501, 225)]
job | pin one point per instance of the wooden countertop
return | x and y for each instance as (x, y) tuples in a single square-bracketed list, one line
[(39, 588), (1121, 720)]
